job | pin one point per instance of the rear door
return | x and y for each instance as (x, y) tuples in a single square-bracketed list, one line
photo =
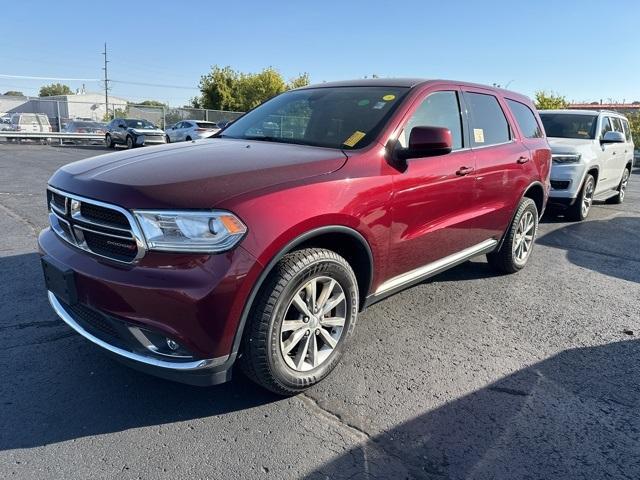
[(619, 160), (432, 204), (503, 163), (607, 155)]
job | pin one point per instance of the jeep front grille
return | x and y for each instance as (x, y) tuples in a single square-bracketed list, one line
[(105, 230)]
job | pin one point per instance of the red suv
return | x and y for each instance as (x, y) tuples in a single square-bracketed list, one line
[(263, 244)]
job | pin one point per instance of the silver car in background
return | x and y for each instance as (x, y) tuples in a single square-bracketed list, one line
[(188, 130)]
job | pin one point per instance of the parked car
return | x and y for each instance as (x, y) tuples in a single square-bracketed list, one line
[(132, 133), (592, 158), (82, 126), (263, 249), (188, 130), (30, 122)]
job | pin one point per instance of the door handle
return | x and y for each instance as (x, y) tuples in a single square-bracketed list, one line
[(462, 171), (522, 160)]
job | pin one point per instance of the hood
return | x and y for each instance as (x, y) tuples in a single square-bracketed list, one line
[(193, 175), (569, 145)]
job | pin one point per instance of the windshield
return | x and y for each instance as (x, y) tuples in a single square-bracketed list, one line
[(140, 124), (334, 117), (569, 125)]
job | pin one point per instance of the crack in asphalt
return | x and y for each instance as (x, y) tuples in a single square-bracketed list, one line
[(16, 216)]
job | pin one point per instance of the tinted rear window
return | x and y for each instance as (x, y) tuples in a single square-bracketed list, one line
[(569, 125), (489, 126), (526, 119), (206, 125)]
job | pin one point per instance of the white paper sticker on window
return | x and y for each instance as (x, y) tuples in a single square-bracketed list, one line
[(478, 135)]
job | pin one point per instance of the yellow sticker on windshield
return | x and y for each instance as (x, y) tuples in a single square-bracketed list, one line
[(354, 138), (388, 98), (478, 135)]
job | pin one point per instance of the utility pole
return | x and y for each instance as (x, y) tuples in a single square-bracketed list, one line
[(106, 79)]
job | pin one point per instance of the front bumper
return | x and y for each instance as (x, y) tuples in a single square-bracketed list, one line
[(570, 174), (196, 300)]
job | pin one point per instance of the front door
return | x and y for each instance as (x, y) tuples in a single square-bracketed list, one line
[(432, 203)]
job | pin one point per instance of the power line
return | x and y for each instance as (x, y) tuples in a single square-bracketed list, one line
[(28, 77), (154, 85)]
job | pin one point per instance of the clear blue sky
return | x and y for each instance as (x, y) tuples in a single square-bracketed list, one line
[(586, 50)]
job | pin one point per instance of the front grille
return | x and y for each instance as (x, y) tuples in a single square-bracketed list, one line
[(103, 215), (96, 227), (93, 321), (560, 184), (117, 248)]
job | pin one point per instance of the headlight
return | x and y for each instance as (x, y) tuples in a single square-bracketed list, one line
[(190, 231), (563, 158)]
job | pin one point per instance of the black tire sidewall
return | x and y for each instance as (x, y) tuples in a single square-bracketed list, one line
[(130, 138), (281, 372)]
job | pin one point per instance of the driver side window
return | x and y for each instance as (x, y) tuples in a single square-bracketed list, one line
[(439, 109)]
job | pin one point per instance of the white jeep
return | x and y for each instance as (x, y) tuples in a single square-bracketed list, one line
[(592, 154)]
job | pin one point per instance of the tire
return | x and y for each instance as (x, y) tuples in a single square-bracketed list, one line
[(130, 143), (265, 358), (622, 188), (168, 139), (516, 249), (188, 139), (582, 206), (108, 141)]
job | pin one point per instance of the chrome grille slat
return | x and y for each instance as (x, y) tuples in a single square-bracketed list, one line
[(124, 245)]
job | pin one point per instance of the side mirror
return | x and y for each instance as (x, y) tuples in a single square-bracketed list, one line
[(427, 142), (613, 137)]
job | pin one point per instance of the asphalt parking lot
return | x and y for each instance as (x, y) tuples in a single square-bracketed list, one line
[(467, 376)]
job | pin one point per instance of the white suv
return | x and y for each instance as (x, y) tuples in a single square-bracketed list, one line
[(592, 154)]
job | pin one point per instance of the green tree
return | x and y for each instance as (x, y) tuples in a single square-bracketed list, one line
[(152, 103), (227, 89), (549, 100), (55, 89), (14, 93), (634, 123)]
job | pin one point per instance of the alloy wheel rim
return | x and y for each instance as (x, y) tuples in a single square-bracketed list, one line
[(587, 199), (313, 323), (523, 240), (623, 185)]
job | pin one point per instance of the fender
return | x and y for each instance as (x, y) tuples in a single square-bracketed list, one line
[(276, 258), (504, 235)]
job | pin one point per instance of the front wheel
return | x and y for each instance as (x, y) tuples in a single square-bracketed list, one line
[(109, 142), (518, 242), (300, 321), (580, 209), (130, 142)]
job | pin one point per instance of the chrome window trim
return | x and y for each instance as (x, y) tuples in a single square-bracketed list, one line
[(136, 357), (136, 232)]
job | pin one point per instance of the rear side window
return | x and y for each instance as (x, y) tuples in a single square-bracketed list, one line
[(439, 109), (489, 126), (627, 131), (526, 119), (606, 126)]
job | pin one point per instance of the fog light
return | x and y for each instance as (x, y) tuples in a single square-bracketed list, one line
[(172, 345)]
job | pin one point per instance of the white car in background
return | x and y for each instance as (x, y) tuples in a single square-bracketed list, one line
[(592, 154), (188, 130)]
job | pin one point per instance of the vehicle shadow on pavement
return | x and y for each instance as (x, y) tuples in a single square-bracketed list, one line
[(56, 386), (611, 247), (571, 416)]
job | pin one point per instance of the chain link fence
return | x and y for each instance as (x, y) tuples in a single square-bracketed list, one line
[(91, 107)]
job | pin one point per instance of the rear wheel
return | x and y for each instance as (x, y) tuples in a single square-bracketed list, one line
[(581, 207), (300, 321), (518, 243), (622, 188)]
